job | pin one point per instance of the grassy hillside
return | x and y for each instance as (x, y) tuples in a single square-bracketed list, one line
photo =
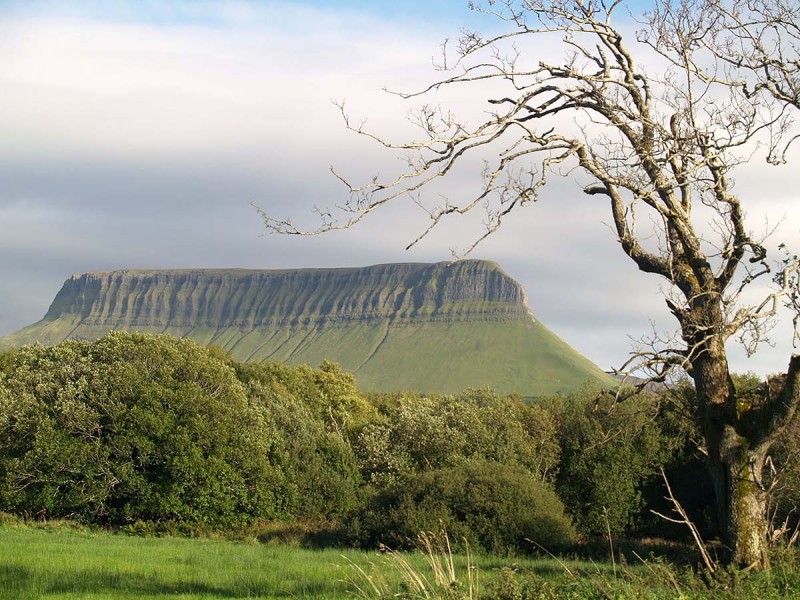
[(433, 328)]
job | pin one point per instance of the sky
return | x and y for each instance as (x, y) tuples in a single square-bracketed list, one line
[(142, 134)]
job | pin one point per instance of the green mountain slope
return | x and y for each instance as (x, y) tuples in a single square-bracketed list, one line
[(431, 327)]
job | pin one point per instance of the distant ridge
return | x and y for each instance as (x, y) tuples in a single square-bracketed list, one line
[(431, 327)]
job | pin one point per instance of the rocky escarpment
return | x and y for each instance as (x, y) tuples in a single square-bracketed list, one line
[(249, 298), (429, 327)]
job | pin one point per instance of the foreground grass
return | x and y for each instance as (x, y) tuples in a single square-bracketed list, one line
[(42, 563), (60, 562)]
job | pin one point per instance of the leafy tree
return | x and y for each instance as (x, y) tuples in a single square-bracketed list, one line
[(318, 461), (418, 434), (653, 123), (329, 392), (610, 451), (136, 427)]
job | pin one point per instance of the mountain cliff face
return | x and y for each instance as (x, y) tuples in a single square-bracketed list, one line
[(431, 327), (241, 298)]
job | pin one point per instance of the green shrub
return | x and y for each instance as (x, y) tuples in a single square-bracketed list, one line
[(495, 507), (329, 392)]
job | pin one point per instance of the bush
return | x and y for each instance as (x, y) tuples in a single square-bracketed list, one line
[(495, 507), (328, 392)]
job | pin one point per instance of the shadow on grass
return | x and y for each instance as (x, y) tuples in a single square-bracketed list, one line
[(677, 553), (594, 557), (312, 536), (22, 583)]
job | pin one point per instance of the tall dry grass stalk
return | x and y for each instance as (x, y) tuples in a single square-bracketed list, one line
[(439, 580)]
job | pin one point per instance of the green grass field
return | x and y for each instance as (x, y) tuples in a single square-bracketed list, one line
[(57, 562), (45, 562), (40, 563)]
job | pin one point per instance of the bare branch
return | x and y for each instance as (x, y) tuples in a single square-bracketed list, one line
[(683, 519)]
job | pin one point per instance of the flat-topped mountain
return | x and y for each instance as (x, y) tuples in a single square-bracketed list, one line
[(431, 327)]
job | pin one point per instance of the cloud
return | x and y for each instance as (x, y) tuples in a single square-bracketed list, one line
[(139, 135)]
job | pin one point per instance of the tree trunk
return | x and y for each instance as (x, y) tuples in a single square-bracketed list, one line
[(746, 531), (741, 501), (735, 468)]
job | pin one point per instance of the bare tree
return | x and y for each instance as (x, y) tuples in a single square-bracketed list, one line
[(657, 141), (751, 45)]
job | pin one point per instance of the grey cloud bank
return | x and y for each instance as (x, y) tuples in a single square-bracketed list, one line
[(139, 145)]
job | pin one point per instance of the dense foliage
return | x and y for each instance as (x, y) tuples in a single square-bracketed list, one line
[(492, 506), (610, 451), (154, 432), (136, 427), (413, 434), (310, 410)]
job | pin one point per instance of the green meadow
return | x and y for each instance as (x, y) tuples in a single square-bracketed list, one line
[(44, 562), (65, 562)]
